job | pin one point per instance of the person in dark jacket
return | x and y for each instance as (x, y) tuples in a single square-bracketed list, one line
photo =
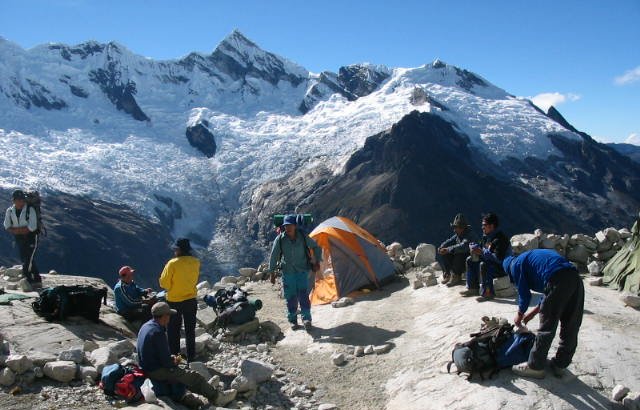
[(486, 258), (21, 220), (161, 367), (131, 300), (545, 271), (296, 254), (453, 252)]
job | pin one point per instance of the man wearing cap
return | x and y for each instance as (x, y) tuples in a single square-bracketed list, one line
[(179, 278), (453, 252), (22, 221), (297, 254), (545, 271), (162, 368), (130, 298), (486, 258)]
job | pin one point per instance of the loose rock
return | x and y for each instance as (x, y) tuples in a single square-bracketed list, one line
[(382, 349), (338, 358), (619, 392), (631, 300), (256, 370), (102, 357), (369, 350), (425, 255), (121, 348), (201, 368), (75, 355), (87, 372), (18, 363), (7, 377), (62, 371)]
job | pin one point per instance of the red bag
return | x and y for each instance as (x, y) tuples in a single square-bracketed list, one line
[(128, 387)]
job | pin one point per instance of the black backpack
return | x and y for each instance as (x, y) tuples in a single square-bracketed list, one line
[(34, 201), (57, 303), (233, 306), (479, 354)]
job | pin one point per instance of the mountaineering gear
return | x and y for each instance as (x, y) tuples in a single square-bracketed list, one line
[(180, 277), (524, 370), (34, 201), (59, 302), (233, 306), (622, 272), (294, 255), (445, 279), (294, 325), (307, 324), (454, 280), (187, 310), (296, 291), (300, 219)]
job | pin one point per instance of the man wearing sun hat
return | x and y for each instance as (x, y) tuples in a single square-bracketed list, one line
[(130, 298), (453, 253)]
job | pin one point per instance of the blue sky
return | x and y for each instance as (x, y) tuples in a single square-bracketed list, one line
[(582, 56)]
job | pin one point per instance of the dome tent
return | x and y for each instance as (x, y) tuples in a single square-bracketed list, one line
[(352, 259)]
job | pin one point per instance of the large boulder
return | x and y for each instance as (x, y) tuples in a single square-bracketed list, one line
[(243, 384), (580, 239), (87, 372), (256, 371), (229, 280), (75, 355), (122, 348), (578, 253), (524, 242), (247, 272), (7, 377), (206, 317), (62, 370), (395, 250), (18, 363), (550, 241), (595, 268), (425, 255), (101, 357)]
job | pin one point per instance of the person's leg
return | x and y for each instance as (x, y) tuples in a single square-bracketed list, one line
[(291, 296), (486, 280), (445, 261), (303, 297), (23, 249), (173, 329), (472, 278), (550, 311), (458, 263), (570, 321), (189, 310), (33, 247), (192, 379)]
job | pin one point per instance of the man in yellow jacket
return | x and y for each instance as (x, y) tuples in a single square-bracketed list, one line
[(179, 278)]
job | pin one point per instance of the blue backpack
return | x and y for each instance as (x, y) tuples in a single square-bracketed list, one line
[(111, 374), (515, 350)]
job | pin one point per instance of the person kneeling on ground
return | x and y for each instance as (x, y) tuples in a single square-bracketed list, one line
[(485, 261), (297, 254), (161, 367), (453, 252), (131, 301), (544, 271)]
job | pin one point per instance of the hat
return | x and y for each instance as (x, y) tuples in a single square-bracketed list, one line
[(289, 220), (161, 309), (126, 270), (506, 265), (183, 244), (18, 194), (459, 221)]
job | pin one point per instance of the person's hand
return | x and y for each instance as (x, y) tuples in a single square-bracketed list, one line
[(518, 319), (148, 290), (272, 277), (177, 359), (532, 313), (476, 251), (443, 251)]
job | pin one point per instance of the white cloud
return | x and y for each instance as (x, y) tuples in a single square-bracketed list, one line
[(633, 139), (630, 76), (546, 100)]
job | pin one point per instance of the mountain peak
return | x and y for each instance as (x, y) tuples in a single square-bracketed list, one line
[(238, 41)]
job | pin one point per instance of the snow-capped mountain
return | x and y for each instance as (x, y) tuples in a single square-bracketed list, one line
[(193, 142)]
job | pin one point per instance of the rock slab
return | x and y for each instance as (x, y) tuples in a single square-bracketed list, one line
[(62, 370)]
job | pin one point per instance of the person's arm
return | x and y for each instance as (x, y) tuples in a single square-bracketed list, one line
[(166, 277), (7, 219), (532, 313), (161, 346), (449, 242), (33, 219), (462, 247), (524, 293), (317, 250), (275, 254), (125, 299)]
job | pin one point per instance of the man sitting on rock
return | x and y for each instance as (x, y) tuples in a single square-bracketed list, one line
[(545, 271), (162, 368), (21, 220), (131, 301), (453, 252), (485, 261)]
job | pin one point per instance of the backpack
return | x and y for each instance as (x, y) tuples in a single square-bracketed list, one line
[(479, 354), (232, 306), (312, 264), (123, 382), (34, 201), (515, 350), (57, 303)]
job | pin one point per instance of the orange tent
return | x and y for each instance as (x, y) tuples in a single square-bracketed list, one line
[(352, 259)]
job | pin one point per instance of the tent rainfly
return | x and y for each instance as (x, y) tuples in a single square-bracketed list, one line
[(623, 270)]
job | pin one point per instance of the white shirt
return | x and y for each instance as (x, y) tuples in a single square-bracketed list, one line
[(11, 220)]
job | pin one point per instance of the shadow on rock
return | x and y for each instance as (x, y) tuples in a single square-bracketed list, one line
[(355, 334)]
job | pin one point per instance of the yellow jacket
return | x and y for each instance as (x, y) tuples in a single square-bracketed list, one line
[(180, 277)]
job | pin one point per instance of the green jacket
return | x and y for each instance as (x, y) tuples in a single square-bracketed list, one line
[(292, 254)]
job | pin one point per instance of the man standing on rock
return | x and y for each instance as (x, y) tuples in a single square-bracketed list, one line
[(179, 278), (453, 252), (162, 368), (22, 221), (544, 271), (297, 254), (486, 258), (129, 297)]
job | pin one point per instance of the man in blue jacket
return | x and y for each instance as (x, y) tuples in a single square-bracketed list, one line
[(545, 271), (130, 298), (162, 368), (296, 254)]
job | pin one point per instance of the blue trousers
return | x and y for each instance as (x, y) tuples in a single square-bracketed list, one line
[(296, 291), (480, 275)]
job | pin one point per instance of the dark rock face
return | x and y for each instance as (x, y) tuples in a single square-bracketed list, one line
[(120, 93), (201, 138), (630, 150), (35, 95), (95, 238), (78, 91), (169, 212), (83, 50)]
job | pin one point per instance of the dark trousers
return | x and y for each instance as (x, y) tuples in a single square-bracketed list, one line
[(192, 379), (295, 286), (564, 303), (481, 274), (142, 313), (186, 312), (452, 263), (27, 246)]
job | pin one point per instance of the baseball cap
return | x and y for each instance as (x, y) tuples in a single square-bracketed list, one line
[(126, 270), (161, 309)]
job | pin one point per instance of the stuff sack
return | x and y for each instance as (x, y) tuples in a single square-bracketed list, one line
[(111, 374), (122, 382), (57, 303), (479, 354), (515, 350), (233, 306), (239, 313)]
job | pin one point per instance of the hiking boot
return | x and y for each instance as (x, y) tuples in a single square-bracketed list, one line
[(524, 370), (307, 324), (470, 292), (454, 281), (558, 372), (189, 400), (445, 278), (225, 397), (487, 295), (294, 325)]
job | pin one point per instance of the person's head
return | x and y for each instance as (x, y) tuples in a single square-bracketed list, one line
[(289, 225), (162, 312), (126, 274), (182, 247), (459, 224), (19, 198), (489, 223)]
